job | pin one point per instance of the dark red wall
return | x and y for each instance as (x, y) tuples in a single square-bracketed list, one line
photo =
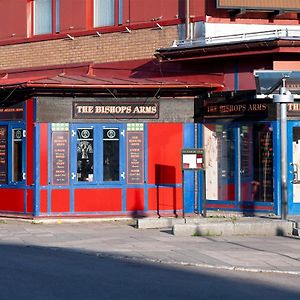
[(13, 16)]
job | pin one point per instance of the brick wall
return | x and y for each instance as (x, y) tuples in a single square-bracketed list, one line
[(108, 47)]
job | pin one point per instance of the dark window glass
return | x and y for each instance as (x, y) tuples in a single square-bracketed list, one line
[(17, 172), (85, 154), (111, 146), (3, 154), (257, 163)]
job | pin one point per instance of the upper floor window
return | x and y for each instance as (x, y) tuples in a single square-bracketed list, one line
[(46, 14), (104, 12)]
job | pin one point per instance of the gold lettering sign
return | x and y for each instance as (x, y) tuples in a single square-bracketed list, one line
[(260, 4)]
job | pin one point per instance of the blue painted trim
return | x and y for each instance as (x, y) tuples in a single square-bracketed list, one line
[(293, 207), (236, 77), (146, 162), (49, 170), (189, 184), (237, 164), (123, 199), (36, 170), (200, 173), (276, 168)]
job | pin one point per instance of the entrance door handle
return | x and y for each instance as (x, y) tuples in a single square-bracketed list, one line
[(295, 173)]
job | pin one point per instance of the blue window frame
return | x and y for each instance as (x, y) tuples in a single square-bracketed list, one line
[(13, 154), (98, 154)]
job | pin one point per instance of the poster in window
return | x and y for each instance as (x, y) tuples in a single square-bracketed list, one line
[(3, 154), (60, 157)]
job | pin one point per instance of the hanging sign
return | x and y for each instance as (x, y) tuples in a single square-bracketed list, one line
[(192, 159), (3, 154)]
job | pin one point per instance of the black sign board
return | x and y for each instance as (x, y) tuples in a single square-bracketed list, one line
[(60, 157), (233, 110), (135, 157), (118, 110), (15, 112), (3, 154)]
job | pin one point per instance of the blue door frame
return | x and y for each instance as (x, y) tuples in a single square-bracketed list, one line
[(293, 187), (257, 206)]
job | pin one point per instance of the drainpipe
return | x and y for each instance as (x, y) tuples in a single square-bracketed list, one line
[(187, 19)]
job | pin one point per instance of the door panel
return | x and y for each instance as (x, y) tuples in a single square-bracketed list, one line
[(293, 176)]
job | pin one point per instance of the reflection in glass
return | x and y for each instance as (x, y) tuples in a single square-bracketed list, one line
[(17, 172), (111, 164), (220, 164), (85, 154), (257, 163)]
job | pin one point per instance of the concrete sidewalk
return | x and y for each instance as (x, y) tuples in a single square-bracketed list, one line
[(224, 225), (121, 238)]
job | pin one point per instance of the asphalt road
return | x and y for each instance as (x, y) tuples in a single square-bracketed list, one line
[(74, 262)]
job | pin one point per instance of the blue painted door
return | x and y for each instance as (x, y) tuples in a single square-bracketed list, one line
[(293, 177)]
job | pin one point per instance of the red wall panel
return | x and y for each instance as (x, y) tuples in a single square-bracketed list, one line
[(60, 200), (29, 201), (98, 200), (165, 199), (13, 16), (141, 11), (165, 141), (43, 201), (43, 154), (12, 200), (135, 200), (73, 15), (29, 142)]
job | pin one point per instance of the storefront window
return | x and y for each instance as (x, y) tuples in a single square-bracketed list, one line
[(17, 172), (220, 164), (256, 144), (85, 154), (111, 146)]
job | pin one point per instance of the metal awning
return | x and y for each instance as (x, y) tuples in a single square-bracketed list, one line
[(268, 82)]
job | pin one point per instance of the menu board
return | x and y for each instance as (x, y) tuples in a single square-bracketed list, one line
[(135, 157), (3, 154), (60, 157)]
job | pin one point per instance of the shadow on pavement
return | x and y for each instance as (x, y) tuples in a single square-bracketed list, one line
[(30, 272)]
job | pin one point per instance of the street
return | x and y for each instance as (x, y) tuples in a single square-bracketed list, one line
[(72, 261)]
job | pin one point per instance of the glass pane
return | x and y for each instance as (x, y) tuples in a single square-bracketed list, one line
[(111, 163), (220, 163), (85, 154), (17, 172), (42, 16), (257, 163), (104, 13), (296, 164)]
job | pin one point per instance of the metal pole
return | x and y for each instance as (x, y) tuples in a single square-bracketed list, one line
[(283, 157), (183, 212)]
